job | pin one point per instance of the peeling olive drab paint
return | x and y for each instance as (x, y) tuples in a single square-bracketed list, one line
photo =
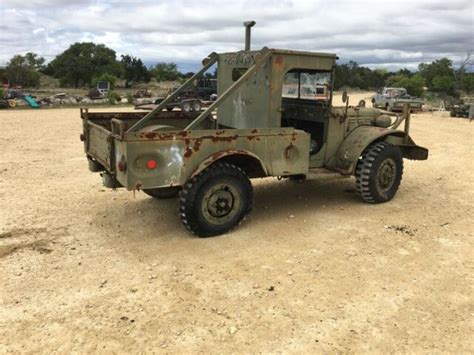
[(180, 155), (345, 159), (257, 103)]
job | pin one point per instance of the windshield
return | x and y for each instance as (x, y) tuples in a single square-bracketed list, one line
[(307, 85), (395, 92)]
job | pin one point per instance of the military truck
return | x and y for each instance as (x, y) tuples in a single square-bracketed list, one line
[(394, 99), (264, 123), (461, 109)]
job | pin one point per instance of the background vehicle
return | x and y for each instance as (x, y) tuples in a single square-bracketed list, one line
[(140, 93), (187, 101), (206, 88), (194, 98), (461, 108), (268, 120), (394, 99)]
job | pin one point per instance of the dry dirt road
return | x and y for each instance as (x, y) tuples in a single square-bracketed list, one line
[(313, 268)]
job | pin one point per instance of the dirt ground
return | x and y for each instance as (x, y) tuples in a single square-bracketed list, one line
[(84, 268)]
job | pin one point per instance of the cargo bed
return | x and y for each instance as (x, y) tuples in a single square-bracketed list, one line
[(100, 129)]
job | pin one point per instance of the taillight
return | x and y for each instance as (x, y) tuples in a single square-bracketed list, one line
[(82, 137), (151, 164), (122, 164)]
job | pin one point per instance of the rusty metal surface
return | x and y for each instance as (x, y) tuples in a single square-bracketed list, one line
[(184, 154), (178, 119)]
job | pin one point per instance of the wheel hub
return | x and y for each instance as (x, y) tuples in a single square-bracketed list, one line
[(221, 203), (386, 175)]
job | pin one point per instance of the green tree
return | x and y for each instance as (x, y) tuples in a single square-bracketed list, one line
[(468, 82), (24, 69), (405, 72), (134, 70), (82, 62), (463, 75), (188, 74), (437, 68), (351, 75), (165, 71), (414, 85), (444, 84), (394, 80)]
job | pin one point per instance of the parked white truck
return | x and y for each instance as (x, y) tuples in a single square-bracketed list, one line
[(393, 99)]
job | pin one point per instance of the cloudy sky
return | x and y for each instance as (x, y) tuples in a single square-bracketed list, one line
[(376, 33)]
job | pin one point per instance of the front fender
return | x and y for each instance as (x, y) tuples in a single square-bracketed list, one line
[(346, 158)]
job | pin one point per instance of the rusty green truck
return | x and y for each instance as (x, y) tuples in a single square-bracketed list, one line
[(273, 117)]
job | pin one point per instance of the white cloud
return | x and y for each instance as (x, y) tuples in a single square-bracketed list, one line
[(379, 34)]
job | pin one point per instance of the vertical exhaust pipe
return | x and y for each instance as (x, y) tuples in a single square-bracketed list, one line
[(248, 28)]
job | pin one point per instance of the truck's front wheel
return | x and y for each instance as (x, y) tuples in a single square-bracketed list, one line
[(379, 172), (216, 200)]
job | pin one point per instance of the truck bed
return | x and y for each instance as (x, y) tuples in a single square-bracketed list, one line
[(99, 132), (177, 119)]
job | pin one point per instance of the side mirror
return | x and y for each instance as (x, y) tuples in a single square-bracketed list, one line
[(344, 96)]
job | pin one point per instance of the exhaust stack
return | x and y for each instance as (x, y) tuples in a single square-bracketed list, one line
[(248, 28)]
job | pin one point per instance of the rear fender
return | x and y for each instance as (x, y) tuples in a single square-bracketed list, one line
[(347, 156)]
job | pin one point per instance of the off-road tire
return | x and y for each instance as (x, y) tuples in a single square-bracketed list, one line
[(186, 106), (197, 106), (164, 192), (222, 188), (379, 172)]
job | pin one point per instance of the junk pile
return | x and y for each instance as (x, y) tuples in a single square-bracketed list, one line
[(16, 98)]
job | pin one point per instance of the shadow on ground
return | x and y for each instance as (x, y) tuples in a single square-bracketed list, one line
[(273, 200)]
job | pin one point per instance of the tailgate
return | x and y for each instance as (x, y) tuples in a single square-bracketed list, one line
[(99, 144)]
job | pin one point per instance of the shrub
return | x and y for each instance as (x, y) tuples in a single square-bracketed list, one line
[(113, 97)]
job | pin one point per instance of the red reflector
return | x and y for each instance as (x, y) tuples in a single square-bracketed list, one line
[(81, 137), (151, 164), (122, 165)]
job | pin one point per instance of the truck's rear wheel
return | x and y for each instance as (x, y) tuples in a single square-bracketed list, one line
[(379, 172), (216, 200), (164, 192), (186, 106), (197, 106)]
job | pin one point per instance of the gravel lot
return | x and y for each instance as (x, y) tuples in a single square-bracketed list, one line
[(84, 268)]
